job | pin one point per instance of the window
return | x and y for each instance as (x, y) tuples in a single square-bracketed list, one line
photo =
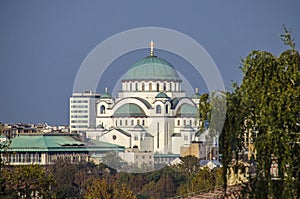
[(102, 109), (157, 87), (158, 109), (138, 122), (130, 86), (186, 137), (143, 122), (79, 121), (178, 122), (167, 109), (184, 123), (150, 86), (126, 122), (143, 86), (79, 106), (136, 86), (79, 101), (79, 116), (170, 86), (165, 87), (136, 138), (120, 122), (116, 122), (114, 137), (79, 111), (132, 122)]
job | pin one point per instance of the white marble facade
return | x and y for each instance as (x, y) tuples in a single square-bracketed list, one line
[(151, 111)]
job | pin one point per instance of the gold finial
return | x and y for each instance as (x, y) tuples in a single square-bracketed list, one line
[(151, 48)]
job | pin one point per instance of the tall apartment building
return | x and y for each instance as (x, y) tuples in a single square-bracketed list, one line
[(83, 111)]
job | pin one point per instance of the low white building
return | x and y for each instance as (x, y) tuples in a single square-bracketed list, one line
[(140, 159)]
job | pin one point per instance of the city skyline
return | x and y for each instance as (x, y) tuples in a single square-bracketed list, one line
[(43, 44)]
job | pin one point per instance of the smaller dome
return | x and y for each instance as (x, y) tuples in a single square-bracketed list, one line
[(187, 110), (138, 126), (196, 96), (105, 96), (129, 110), (161, 95)]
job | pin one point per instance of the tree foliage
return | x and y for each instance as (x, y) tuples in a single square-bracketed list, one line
[(265, 108), (101, 189), (27, 182)]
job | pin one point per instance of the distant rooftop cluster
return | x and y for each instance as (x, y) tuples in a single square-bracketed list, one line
[(13, 130)]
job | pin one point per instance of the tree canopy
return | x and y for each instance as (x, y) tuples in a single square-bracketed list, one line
[(265, 109)]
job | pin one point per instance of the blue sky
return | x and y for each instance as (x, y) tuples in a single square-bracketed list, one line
[(43, 43)]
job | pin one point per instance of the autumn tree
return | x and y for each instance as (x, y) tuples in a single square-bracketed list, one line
[(101, 189), (28, 181)]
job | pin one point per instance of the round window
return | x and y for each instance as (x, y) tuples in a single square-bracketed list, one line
[(114, 137)]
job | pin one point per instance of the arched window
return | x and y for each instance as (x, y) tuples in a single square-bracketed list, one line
[(130, 86), (178, 122), (102, 109), (120, 122), (126, 122), (167, 109), (143, 122), (165, 87), (138, 122), (157, 87), (143, 86), (150, 86), (132, 122), (158, 109), (136, 86), (170, 86)]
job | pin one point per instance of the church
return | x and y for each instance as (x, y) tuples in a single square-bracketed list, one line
[(151, 112)]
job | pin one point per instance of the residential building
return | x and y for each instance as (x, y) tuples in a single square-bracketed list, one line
[(83, 111)]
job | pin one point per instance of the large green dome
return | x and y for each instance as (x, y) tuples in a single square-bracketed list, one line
[(152, 68)]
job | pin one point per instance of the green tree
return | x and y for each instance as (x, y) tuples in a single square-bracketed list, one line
[(190, 165), (64, 174), (231, 138), (266, 106), (204, 110)]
